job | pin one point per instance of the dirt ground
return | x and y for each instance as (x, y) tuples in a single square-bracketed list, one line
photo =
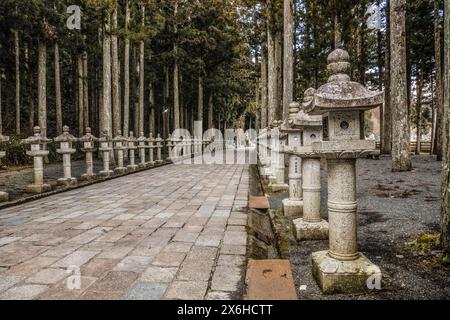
[(394, 209)]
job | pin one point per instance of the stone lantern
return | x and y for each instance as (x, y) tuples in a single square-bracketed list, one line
[(159, 146), (151, 147), (119, 146), (310, 226), (3, 195), (88, 148), (342, 104), (142, 147), (106, 149), (169, 146), (65, 148), (132, 148), (37, 141), (293, 206), (278, 141)]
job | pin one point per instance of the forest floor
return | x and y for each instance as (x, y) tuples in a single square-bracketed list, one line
[(398, 220)]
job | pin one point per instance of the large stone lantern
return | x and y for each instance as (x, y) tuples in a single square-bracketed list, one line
[(65, 148), (105, 149), (88, 148), (342, 104)]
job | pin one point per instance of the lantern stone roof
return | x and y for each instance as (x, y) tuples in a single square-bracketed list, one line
[(104, 137), (65, 136), (340, 93), (88, 137), (37, 138)]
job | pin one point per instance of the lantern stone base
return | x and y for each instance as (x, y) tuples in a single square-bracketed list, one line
[(304, 230), (292, 208), (38, 188), (87, 177), (106, 173), (132, 168), (120, 170), (66, 182), (159, 161), (4, 197), (336, 276)]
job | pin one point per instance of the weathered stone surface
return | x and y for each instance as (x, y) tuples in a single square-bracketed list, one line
[(293, 208), (48, 276), (158, 274), (23, 292), (187, 290), (146, 291), (336, 276), (304, 230)]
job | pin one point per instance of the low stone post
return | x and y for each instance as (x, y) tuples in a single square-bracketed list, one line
[(132, 149), (169, 147), (37, 141), (88, 141), (343, 103), (159, 141), (151, 148), (65, 140), (119, 141), (105, 149), (277, 179), (142, 147), (3, 195)]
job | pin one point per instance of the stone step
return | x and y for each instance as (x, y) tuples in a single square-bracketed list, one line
[(260, 203), (270, 280)]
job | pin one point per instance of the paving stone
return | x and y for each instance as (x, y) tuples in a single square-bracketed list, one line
[(8, 281), (180, 247), (61, 250), (23, 292), (196, 270), (115, 253), (98, 267), (62, 291), (168, 259), (231, 260), (218, 295), (226, 278), (77, 258), (31, 266), (7, 240), (209, 239), (202, 253), (186, 290), (235, 238), (47, 276), (114, 281), (235, 250), (158, 274), (133, 263), (146, 291)]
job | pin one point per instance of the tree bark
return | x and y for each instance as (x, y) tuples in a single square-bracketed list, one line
[(58, 105), (85, 90), (126, 99), (31, 92), (401, 153), (210, 111), (337, 30), (141, 74), (176, 94), (445, 222), (419, 86), (438, 142), (80, 95), (151, 98), (386, 143), (105, 112), (272, 79), (279, 68), (200, 99), (288, 65), (17, 56), (116, 112), (264, 89), (42, 85)]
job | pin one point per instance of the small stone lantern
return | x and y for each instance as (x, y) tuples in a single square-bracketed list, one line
[(142, 147), (65, 148), (159, 146), (343, 103), (3, 195), (293, 206), (151, 147), (119, 142), (106, 149), (37, 141), (310, 226), (132, 148), (88, 141), (169, 146), (277, 179)]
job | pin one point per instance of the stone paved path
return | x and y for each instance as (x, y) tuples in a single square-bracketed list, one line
[(175, 232)]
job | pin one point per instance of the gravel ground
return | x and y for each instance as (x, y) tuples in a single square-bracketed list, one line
[(393, 210)]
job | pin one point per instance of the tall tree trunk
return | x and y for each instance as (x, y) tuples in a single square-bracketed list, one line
[(386, 142), (116, 112), (151, 120), (85, 90), (141, 74), (264, 89), (445, 223), (166, 93), (126, 99), (401, 151), (1, 117), (210, 111), (58, 105), (105, 112), (419, 87), (200, 99), (176, 94), (279, 68), (31, 92), (80, 95), (337, 30), (258, 105), (438, 141), (272, 78), (288, 65), (42, 85), (17, 56)]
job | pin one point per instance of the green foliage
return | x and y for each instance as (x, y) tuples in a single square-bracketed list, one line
[(15, 152)]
